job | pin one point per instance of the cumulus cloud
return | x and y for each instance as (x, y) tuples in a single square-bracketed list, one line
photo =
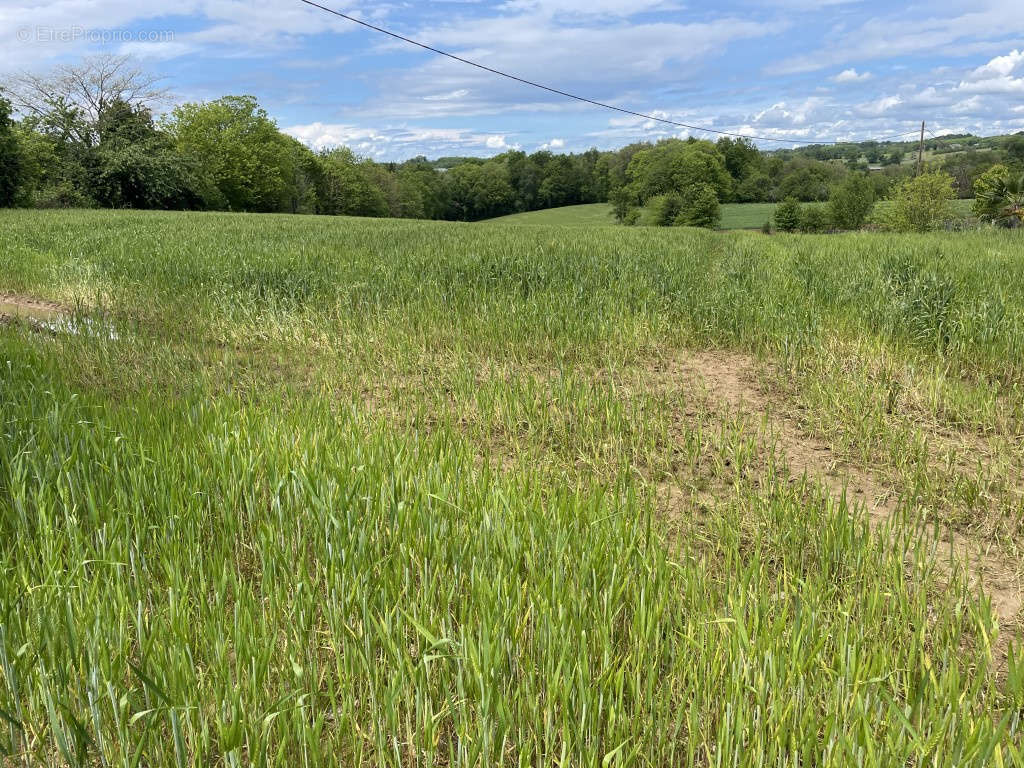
[(1000, 66), (851, 76), (397, 141), (553, 145), (908, 32), (997, 76)]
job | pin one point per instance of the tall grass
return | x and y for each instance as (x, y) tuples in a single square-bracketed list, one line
[(359, 493)]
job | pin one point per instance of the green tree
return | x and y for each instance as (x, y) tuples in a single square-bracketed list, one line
[(1015, 150), (814, 218), (756, 188), (136, 166), (623, 200), (479, 191), (999, 197), (667, 209), (808, 183), (561, 185), (921, 204), (788, 215), (249, 161), (742, 158), (700, 208), (674, 166), (11, 167), (345, 188), (850, 202)]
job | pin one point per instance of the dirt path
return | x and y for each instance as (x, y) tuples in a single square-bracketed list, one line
[(732, 379), (12, 305)]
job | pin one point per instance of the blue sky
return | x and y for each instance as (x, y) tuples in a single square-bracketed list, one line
[(793, 69)]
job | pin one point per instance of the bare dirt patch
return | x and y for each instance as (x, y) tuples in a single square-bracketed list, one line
[(13, 305), (734, 380)]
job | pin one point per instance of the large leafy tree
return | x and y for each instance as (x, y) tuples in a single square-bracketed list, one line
[(347, 187), (742, 158), (675, 166), (808, 182), (136, 166), (250, 162), (479, 191)]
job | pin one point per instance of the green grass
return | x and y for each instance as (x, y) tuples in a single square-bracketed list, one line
[(597, 214), (355, 492), (734, 215)]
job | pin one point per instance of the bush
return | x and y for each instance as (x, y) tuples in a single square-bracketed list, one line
[(766, 228), (922, 204), (62, 194), (667, 209), (814, 218), (623, 201), (700, 208), (851, 202), (788, 215), (999, 197)]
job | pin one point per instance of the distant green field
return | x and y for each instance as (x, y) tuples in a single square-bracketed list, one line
[(569, 216), (734, 215)]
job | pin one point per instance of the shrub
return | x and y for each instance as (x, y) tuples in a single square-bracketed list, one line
[(632, 217), (814, 218), (766, 228), (999, 197), (787, 215), (623, 201), (850, 203), (700, 208), (922, 204), (667, 209)]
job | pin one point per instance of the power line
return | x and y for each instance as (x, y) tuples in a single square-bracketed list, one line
[(574, 96)]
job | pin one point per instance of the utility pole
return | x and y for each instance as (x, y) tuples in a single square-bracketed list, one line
[(920, 150)]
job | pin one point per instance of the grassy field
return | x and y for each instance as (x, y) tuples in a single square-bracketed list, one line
[(594, 215), (284, 490), (734, 215)]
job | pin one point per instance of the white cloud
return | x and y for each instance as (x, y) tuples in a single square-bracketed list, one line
[(996, 76), (601, 61), (398, 141), (461, 93), (616, 8), (1000, 66), (851, 76), (909, 32), (880, 106)]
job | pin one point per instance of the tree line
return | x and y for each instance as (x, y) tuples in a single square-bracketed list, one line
[(86, 135)]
